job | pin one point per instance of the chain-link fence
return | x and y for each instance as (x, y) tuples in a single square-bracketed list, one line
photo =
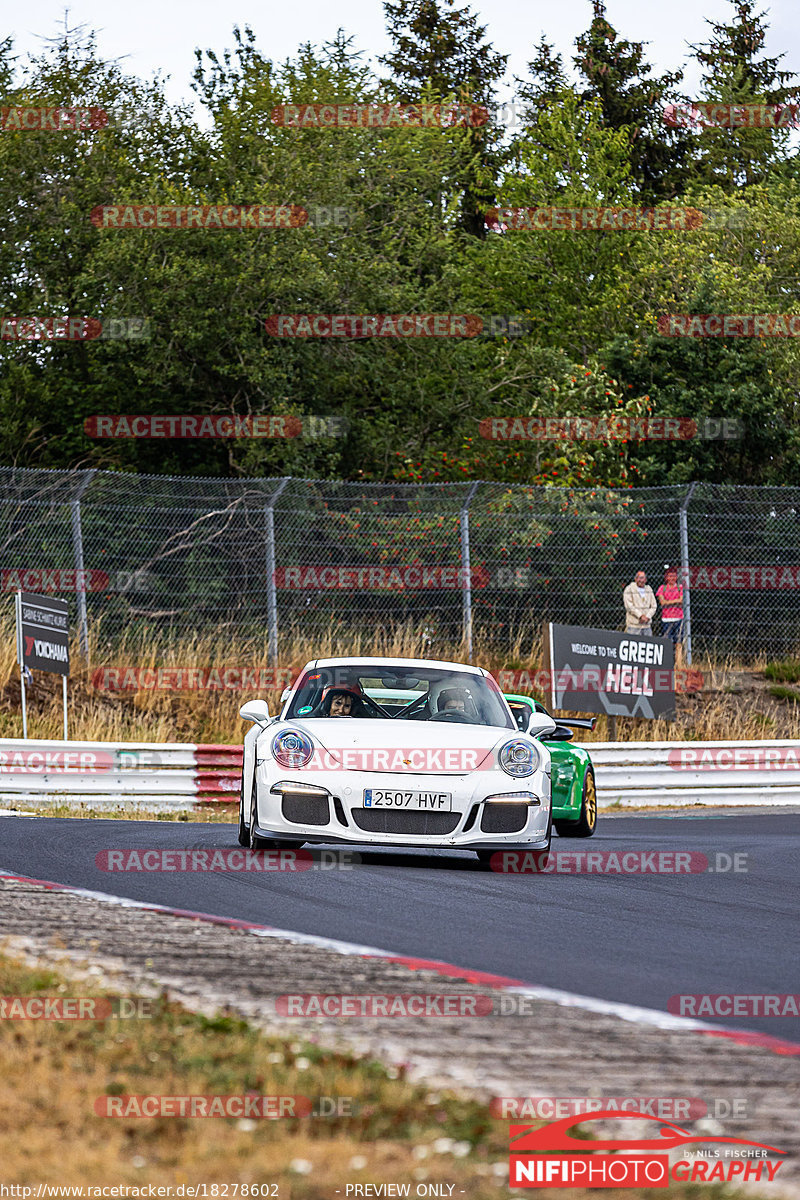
[(184, 555)]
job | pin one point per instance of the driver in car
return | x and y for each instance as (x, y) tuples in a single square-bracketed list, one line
[(453, 700), (341, 702)]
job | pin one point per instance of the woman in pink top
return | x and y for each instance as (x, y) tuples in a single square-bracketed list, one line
[(670, 597)]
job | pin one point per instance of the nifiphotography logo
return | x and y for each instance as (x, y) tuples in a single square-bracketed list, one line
[(549, 1157)]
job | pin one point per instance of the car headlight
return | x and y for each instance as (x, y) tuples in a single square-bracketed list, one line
[(513, 798), (291, 748), (518, 758)]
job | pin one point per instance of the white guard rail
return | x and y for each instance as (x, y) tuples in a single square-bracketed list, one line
[(181, 775), (654, 774), (103, 774)]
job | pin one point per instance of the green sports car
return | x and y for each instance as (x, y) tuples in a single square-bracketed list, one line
[(574, 795)]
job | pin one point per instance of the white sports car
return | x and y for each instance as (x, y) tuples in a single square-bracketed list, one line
[(395, 752)]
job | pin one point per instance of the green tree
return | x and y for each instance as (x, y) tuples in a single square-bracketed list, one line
[(745, 260), (574, 286), (440, 52), (736, 71), (613, 73)]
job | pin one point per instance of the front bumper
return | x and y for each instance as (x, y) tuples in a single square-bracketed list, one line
[(336, 813)]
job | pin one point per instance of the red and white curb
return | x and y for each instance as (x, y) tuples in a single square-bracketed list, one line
[(625, 1012)]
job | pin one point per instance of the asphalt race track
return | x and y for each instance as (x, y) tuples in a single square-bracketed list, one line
[(635, 939)]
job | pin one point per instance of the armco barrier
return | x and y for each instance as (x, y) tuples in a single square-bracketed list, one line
[(159, 775), (653, 774), (180, 775)]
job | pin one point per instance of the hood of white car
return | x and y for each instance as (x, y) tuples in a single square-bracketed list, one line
[(423, 747)]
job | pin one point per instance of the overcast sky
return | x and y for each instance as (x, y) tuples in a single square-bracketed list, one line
[(153, 35)]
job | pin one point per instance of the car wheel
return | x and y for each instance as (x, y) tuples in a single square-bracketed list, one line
[(262, 843), (244, 832), (544, 855), (587, 821), (256, 843)]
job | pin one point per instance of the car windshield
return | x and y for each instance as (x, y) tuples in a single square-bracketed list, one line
[(366, 691)]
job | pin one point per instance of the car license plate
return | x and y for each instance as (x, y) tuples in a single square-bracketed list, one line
[(393, 798)]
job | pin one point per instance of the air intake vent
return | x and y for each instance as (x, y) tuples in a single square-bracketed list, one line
[(504, 818), (305, 810), (376, 820)]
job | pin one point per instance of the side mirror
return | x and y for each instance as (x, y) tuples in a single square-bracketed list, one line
[(540, 723), (285, 694), (255, 710), (560, 734)]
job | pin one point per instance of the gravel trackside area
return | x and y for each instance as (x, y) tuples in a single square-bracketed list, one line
[(551, 1050)]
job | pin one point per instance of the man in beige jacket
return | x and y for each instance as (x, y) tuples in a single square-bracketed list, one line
[(640, 605)]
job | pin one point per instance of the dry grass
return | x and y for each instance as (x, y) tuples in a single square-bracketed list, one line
[(399, 1132), (208, 814), (54, 1071), (734, 701)]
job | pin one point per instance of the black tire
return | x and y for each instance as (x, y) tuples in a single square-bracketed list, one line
[(544, 855), (262, 843), (244, 832), (586, 824), (255, 842)]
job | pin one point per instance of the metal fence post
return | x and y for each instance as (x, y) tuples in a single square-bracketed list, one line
[(466, 574), (77, 551), (272, 595), (687, 599)]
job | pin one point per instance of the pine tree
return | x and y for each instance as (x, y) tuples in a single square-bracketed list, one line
[(547, 80), (614, 72), (737, 72), (445, 49), (441, 50)]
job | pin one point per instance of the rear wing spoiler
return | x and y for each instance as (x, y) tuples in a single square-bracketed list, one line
[(577, 722)]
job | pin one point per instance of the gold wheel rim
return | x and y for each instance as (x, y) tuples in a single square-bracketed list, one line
[(590, 802)]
